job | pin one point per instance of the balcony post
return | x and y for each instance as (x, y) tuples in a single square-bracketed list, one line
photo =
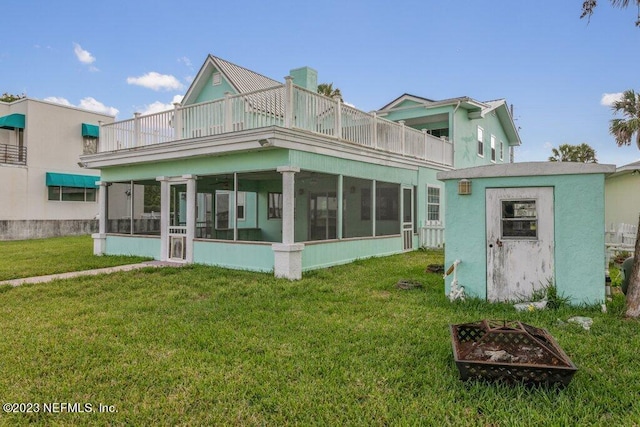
[(402, 137), (374, 130), (426, 143), (338, 101), (288, 102), (136, 130), (177, 121), (228, 112)]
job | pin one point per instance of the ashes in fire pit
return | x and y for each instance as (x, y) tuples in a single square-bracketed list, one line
[(510, 351)]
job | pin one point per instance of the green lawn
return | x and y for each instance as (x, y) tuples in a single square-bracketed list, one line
[(27, 258), (207, 346)]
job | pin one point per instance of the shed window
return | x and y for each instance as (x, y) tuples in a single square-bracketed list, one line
[(519, 219)]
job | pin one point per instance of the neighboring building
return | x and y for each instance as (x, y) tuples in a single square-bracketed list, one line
[(483, 132), (46, 193), (517, 228), (622, 196), (254, 174)]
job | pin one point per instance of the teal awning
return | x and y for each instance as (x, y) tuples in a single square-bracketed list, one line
[(12, 121), (92, 131), (70, 180)]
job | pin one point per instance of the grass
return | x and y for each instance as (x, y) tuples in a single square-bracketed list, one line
[(343, 346), (27, 258)]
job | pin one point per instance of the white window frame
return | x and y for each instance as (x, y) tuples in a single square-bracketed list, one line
[(493, 148), (216, 79), (480, 148), (501, 151), (241, 202), (439, 204)]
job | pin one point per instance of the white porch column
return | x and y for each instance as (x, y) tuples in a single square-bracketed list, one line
[(191, 215), (100, 238), (164, 217), (288, 255), (339, 216)]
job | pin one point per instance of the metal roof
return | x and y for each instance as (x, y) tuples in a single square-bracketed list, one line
[(242, 79)]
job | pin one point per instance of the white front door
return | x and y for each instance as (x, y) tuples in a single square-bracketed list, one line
[(177, 230), (520, 241), (407, 218)]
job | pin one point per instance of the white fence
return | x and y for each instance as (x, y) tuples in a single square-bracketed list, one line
[(431, 235), (619, 238), (284, 105)]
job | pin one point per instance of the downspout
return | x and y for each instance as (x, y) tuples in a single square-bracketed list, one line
[(453, 122)]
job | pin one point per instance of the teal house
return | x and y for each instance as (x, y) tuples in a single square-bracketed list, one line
[(515, 228), (252, 173)]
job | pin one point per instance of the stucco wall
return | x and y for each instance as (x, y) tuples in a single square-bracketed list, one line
[(42, 229), (579, 237), (53, 137), (466, 137)]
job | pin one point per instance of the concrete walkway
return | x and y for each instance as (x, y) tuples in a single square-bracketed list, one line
[(107, 270)]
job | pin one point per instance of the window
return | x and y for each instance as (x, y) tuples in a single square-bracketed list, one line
[(519, 219), (72, 194), (501, 151), (480, 142), (222, 210), (433, 203), (275, 206), (216, 79), (387, 202), (493, 148)]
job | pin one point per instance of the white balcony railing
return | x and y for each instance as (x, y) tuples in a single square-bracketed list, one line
[(286, 106)]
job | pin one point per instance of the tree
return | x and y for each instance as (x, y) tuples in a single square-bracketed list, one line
[(589, 5), (624, 129), (582, 153), (7, 97), (327, 89)]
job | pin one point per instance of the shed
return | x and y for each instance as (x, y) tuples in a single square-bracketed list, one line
[(517, 227)]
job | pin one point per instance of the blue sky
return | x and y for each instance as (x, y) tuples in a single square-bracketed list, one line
[(556, 69)]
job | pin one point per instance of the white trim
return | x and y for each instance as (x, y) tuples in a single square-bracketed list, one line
[(526, 169), (480, 140), (426, 216), (493, 149), (247, 141)]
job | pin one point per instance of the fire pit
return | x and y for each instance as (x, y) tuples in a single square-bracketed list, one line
[(511, 351)]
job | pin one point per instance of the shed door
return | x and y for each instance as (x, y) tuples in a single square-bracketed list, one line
[(520, 241)]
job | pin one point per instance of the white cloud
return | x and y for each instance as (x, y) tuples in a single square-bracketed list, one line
[(58, 100), (548, 146), (87, 103), (83, 56), (156, 81), (92, 104), (609, 98), (186, 61), (158, 106)]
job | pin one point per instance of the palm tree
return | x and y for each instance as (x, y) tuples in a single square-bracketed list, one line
[(327, 89), (582, 153), (624, 129), (589, 5)]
